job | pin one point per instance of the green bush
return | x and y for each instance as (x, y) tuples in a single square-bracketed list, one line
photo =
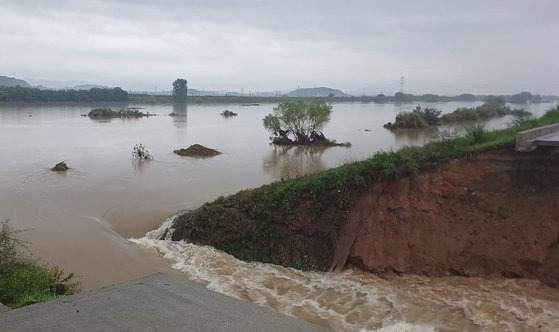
[(106, 112), (431, 115), (24, 281), (477, 134), (492, 108), (140, 152), (418, 118), (297, 118), (462, 114), (102, 112)]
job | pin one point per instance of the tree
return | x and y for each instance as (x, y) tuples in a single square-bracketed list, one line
[(18, 93), (465, 97), (180, 90), (495, 101), (301, 119), (521, 98), (380, 98)]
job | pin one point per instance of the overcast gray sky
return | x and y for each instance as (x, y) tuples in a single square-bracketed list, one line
[(440, 46)]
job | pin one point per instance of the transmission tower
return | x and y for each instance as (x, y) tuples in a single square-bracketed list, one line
[(402, 80)]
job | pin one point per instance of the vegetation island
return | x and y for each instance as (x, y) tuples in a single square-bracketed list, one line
[(422, 117), (107, 113), (299, 122)]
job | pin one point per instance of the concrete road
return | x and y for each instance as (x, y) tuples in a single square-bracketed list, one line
[(154, 303)]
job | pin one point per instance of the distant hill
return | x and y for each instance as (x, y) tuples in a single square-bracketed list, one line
[(316, 92), (10, 81), (193, 92)]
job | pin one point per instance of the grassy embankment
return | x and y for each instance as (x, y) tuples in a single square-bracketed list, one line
[(24, 280), (248, 224)]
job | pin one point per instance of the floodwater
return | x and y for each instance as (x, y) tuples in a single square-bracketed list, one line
[(81, 220)]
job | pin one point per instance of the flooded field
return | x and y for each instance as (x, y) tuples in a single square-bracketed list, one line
[(81, 220)]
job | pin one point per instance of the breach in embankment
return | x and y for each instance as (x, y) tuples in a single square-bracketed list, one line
[(467, 205)]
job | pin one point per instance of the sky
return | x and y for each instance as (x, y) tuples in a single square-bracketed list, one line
[(361, 47)]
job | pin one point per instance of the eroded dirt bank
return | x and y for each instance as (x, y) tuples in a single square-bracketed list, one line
[(495, 213)]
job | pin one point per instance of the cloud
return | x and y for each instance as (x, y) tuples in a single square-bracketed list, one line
[(439, 46)]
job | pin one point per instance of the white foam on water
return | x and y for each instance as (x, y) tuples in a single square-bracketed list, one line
[(403, 327), (358, 301), (165, 227)]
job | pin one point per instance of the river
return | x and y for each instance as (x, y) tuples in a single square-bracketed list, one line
[(82, 220)]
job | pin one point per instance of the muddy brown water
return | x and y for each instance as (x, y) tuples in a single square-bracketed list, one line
[(82, 219)]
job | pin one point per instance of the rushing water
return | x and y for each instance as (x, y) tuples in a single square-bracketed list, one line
[(81, 219), (358, 301)]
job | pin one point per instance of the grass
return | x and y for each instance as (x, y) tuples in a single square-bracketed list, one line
[(252, 218), (25, 281)]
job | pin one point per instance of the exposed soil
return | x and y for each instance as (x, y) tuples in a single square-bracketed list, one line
[(197, 150), (495, 213)]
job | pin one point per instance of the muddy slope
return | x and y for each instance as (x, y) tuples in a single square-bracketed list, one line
[(495, 213)]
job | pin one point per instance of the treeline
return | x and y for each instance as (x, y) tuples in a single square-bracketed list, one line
[(20, 94), (519, 98)]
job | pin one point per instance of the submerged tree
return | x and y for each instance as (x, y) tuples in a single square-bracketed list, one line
[(180, 90), (141, 153), (300, 119)]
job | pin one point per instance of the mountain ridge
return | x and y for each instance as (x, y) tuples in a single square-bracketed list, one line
[(11, 81)]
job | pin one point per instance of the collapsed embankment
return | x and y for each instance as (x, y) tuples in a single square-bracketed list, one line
[(466, 206), (494, 213)]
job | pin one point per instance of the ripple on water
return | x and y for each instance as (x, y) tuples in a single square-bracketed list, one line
[(358, 301)]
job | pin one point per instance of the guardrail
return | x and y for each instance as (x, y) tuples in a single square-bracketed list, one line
[(527, 140)]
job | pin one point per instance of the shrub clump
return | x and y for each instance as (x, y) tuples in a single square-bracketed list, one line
[(418, 118), (423, 117), (477, 134), (492, 108), (140, 152), (24, 281), (228, 113), (127, 112), (299, 122), (60, 167)]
